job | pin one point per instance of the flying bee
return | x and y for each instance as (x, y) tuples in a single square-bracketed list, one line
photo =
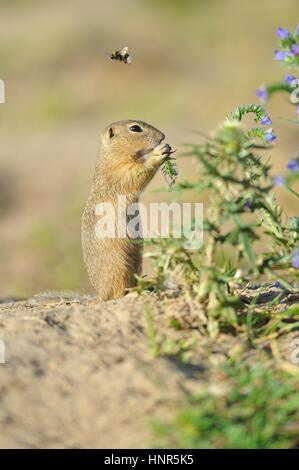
[(122, 56)]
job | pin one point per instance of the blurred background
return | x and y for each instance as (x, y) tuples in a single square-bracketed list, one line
[(194, 62)]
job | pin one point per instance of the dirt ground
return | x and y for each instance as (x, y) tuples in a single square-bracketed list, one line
[(80, 374)]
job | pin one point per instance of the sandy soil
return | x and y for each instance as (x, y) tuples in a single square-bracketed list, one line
[(81, 374)]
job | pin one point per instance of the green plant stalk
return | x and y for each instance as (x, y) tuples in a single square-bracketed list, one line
[(151, 331)]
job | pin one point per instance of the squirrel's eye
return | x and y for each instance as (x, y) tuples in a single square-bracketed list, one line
[(135, 128)]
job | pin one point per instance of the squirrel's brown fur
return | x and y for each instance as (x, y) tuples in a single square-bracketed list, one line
[(127, 162)]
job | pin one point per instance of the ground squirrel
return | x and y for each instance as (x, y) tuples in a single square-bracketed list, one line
[(130, 154)]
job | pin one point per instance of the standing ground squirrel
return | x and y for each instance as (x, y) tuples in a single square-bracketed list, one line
[(130, 154)]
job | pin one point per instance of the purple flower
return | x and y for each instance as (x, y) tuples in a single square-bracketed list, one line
[(266, 121), (248, 204), (283, 33), (269, 135), (278, 285), (279, 180), (289, 79), (297, 110), (295, 49), (262, 93), (296, 259), (280, 55), (293, 165)]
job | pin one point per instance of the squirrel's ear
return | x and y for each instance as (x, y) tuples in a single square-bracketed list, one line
[(108, 135)]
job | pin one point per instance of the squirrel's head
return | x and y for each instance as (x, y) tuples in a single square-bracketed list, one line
[(130, 139)]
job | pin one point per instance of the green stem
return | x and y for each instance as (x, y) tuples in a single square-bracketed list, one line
[(292, 191)]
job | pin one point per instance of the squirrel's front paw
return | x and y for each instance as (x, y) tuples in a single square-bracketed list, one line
[(161, 152)]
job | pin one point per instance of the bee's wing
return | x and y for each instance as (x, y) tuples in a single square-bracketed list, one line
[(124, 50), (129, 59)]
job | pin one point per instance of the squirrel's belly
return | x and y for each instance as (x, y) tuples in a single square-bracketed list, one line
[(111, 263)]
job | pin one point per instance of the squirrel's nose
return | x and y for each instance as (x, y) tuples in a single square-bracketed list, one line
[(162, 137)]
